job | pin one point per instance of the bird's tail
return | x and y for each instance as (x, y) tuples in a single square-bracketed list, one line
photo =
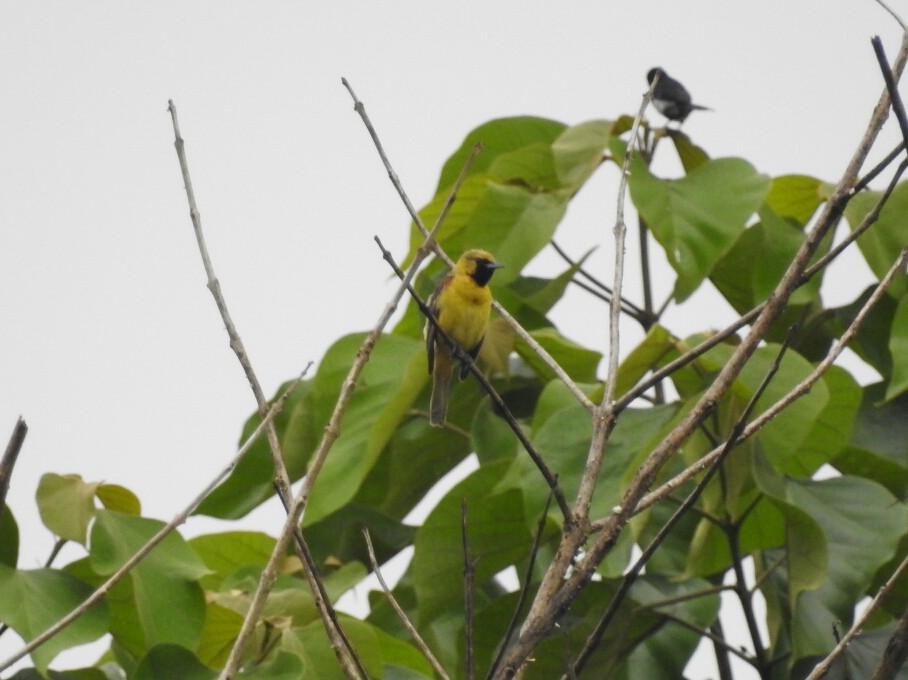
[(442, 373)]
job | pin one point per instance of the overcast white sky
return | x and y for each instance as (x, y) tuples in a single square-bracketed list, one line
[(111, 346)]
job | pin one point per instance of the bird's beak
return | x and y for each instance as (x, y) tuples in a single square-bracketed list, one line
[(496, 265)]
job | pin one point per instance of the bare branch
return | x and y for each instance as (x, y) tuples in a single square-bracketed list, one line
[(401, 614), (898, 108), (166, 530)]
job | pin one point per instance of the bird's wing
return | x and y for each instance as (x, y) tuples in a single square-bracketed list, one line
[(431, 331)]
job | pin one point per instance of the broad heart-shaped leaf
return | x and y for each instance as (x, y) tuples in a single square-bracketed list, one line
[(119, 499), (862, 524), (509, 219), (498, 537), (32, 601), (9, 538), (251, 481), (877, 446), (690, 155), (882, 243), (388, 386), (697, 218), (898, 348), (497, 137), (66, 504), (748, 273), (164, 582), (796, 197), (578, 151), (517, 191)]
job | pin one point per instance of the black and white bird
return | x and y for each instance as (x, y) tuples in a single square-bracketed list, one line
[(670, 97)]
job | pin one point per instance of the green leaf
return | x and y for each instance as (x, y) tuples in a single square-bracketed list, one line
[(861, 524), (882, 243), (389, 385), (877, 447), (498, 536), (796, 197), (510, 220), (872, 341), (32, 601), (222, 626), (749, 273), (578, 151), (311, 644), (9, 538), (164, 582), (697, 218), (119, 499), (691, 155), (67, 505), (898, 348), (657, 344), (173, 662), (497, 137), (224, 553), (251, 482), (579, 362)]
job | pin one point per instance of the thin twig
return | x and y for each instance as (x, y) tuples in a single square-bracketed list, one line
[(401, 614), (603, 417), (469, 569), (898, 108), (10, 455), (874, 172), (895, 16), (165, 531), (823, 667), (627, 306)]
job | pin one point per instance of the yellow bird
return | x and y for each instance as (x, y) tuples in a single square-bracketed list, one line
[(461, 303)]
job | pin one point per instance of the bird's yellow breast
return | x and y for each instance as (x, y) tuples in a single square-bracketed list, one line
[(464, 311)]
